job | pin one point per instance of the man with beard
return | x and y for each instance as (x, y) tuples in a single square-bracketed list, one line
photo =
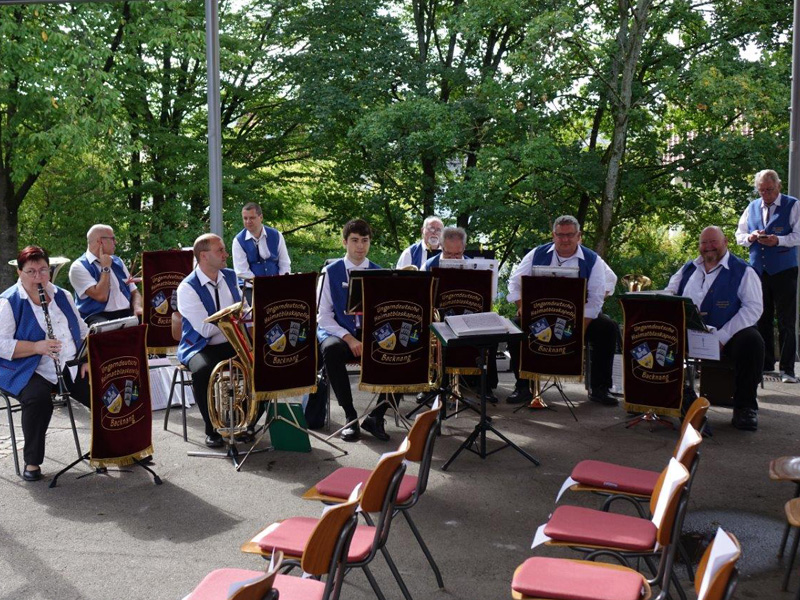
[(417, 254)]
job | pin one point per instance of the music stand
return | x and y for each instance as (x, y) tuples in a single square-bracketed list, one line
[(483, 342)]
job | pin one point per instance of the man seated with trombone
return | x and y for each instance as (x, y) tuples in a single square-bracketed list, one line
[(339, 334), (40, 330), (208, 289)]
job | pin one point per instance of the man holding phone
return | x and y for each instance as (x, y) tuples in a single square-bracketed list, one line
[(770, 228)]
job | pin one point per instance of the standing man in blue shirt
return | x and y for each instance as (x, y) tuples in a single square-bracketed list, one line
[(257, 249), (770, 228)]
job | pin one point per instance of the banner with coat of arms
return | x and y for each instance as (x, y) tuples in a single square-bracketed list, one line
[(552, 319), (162, 272), (284, 330), (462, 292), (653, 350), (121, 412), (396, 334)]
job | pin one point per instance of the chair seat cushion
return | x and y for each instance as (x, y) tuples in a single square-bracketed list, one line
[(562, 579), (216, 584), (613, 477), (291, 536), (341, 482), (578, 525), (297, 588)]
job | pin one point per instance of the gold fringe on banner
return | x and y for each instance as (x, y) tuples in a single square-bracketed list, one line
[(395, 389), (280, 394), (657, 410), (462, 371), (121, 461), (161, 349), (564, 378)]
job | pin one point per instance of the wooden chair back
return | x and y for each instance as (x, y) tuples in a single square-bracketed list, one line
[(724, 580), (696, 415), (422, 438), (687, 447), (176, 325), (259, 589), (375, 488), (330, 538), (671, 500)]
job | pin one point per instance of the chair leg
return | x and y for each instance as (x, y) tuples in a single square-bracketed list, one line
[(791, 561), (425, 550), (786, 529), (396, 573), (686, 560), (10, 414), (169, 400), (375, 587), (183, 404)]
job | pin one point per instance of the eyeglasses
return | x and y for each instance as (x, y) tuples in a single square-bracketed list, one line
[(109, 237), (433, 229), (34, 272), (566, 236)]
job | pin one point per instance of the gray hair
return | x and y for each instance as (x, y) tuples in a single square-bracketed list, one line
[(203, 244), (430, 220), (768, 174), (455, 233), (566, 220), (96, 230)]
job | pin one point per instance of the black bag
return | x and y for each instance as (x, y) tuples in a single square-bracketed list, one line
[(315, 406)]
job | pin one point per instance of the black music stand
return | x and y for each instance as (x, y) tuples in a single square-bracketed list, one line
[(539, 403), (483, 342)]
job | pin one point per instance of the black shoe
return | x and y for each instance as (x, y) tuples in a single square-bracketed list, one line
[(247, 436), (745, 419), (603, 396), (31, 475), (374, 425), (421, 397), (351, 433), (101, 470), (491, 398), (214, 441), (520, 396)]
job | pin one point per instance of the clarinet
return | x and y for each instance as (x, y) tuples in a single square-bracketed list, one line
[(62, 387)]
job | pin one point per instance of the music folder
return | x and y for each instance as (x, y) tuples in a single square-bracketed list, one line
[(355, 286), (101, 327)]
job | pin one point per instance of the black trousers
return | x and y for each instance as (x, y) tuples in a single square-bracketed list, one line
[(746, 351), (779, 291), (37, 409), (335, 355), (108, 316), (601, 336), (201, 365)]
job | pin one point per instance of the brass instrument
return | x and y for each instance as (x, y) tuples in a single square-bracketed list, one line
[(230, 399), (635, 283)]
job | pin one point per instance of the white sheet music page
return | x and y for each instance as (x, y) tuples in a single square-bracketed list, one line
[(723, 551), (477, 323)]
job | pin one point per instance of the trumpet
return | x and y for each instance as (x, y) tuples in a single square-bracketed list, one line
[(62, 386)]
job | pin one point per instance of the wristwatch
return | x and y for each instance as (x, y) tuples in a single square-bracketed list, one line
[(105, 270)]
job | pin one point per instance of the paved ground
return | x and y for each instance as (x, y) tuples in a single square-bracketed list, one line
[(119, 535)]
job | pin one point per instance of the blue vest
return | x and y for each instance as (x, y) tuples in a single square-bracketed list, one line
[(434, 261), (337, 275), (89, 306), (15, 374), (772, 259), (191, 341), (541, 257), (261, 266), (416, 255), (721, 301)]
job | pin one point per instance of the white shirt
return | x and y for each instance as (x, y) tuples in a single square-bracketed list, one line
[(326, 318), (82, 280), (405, 257), (749, 293), (790, 239), (595, 287), (242, 267), (8, 328), (191, 306), (610, 278)]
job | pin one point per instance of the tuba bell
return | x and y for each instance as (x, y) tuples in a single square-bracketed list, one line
[(230, 379), (636, 283)]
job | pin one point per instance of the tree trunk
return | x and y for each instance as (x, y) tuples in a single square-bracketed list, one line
[(9, 233)]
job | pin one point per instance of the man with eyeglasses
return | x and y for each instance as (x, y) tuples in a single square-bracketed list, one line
[(417, 254), (601, 332), (727, 292), (770, 228), (103, 286)]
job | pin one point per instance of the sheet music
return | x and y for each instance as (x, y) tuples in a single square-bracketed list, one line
[(477, 323), (548, 271)]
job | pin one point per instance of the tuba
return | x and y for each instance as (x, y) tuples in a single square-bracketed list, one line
[(636, 283), (231, 379)]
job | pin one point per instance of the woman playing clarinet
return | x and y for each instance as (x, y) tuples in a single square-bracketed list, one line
[(35, 343)]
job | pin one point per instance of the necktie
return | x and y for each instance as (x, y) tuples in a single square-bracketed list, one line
[(216, 293)]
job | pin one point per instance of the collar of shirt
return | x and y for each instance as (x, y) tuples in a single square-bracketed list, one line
[(777, 202), (350, 266), (204, 279), (698, 262), (91, 257), (250, 236), (51, 290), (578, 253)]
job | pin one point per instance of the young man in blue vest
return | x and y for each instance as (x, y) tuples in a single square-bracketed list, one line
[(103, 286), (417, 254), (258, 250), (770, 228), (727, 292), (339, 334), (209, 288), (601, 332)]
